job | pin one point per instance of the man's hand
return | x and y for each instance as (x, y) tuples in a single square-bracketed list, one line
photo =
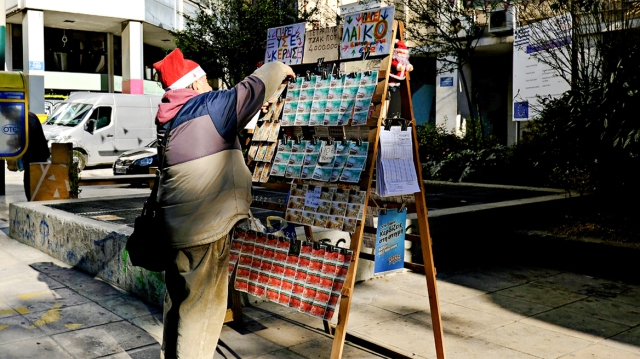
[(290, 72), (264, 107)]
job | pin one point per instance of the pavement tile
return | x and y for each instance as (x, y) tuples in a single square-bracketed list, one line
[(361, 315), (6, 311), (44, 300), (485, 281), (281, 331), (59, 320), (472, 348), (525, 273), (290, 313), (34, 348), (245, 344), (96, 289), (103, 340), (126, 306), (409, 282), (607, 309), (463, 321), (402, 303), (575, 324), (16, 328), (452, 293), (583, 284), (321, 349), (540, 294), (539, 342), (281, 354), (503, 306), (628, 341), (599, 351), (629, 296), (152, 324), (29, 281), (405, 334)]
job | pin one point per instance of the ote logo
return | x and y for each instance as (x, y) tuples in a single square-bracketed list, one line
[(10, 129)]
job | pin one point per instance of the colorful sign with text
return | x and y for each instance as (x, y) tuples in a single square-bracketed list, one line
[(389, 253), (367, 30), (285, 44)]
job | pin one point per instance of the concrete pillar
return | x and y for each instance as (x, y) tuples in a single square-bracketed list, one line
[(3, 21), (8, 47), (110, 63), (447, 100), (132, 58), (33, 57)]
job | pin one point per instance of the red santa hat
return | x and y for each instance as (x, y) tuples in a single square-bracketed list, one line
[(401, 47), (176, 72)]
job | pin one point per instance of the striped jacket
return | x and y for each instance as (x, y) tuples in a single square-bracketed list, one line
[(205, 188)]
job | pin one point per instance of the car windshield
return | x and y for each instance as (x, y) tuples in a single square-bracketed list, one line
[(153, 144), (69, 114)]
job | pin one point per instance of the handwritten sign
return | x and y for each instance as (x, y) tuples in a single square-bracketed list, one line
[(367, 30), (389, 252), (321, 43), (285, 44)]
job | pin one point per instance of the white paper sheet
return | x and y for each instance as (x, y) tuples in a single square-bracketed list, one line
[(396, 173)]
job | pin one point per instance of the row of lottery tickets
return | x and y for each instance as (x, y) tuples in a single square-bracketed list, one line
[(305, 276), (331, 101), (332, 208), (318, 161), (265, 134)]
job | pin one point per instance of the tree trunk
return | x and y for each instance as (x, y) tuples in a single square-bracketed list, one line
[(469, 102)]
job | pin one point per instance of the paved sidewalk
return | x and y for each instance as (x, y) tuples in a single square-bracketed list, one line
[(48, 310)]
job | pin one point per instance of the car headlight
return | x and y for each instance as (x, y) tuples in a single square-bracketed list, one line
[(144, 161)]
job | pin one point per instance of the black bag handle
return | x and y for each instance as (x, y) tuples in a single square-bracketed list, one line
[(163, 146)]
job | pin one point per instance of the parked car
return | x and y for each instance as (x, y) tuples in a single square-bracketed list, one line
[(137, 161), (102, 126)]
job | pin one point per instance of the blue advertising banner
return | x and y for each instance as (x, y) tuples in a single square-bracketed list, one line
[(389, 254), (446, 82)]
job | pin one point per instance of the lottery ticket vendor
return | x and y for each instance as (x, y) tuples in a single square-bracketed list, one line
[(204, 191)]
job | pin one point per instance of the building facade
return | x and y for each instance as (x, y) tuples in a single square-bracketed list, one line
[(79, 45)]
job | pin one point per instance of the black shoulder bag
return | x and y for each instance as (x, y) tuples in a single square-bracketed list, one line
[(148, 245)]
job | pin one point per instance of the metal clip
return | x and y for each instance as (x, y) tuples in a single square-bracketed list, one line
[(308, 77), (366, 53), (404, 205), (330, 141), (344, 141), (405, 124), (387, 124), (383, 210), (298, 139), (359, 141), (314, 140), (325, 74)]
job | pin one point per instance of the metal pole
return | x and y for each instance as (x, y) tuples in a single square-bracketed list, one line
[(3, 22)]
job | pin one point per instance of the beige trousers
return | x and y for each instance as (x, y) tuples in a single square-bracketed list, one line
[(195, 303)]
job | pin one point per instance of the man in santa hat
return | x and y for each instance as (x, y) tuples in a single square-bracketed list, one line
[(205, 189)]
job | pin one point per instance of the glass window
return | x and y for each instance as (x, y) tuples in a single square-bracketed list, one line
[(102, 116), (68, 114)]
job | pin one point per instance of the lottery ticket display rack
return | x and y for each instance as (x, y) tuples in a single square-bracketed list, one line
[(376, 123)]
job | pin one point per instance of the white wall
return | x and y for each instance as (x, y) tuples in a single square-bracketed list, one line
[(126, 9)]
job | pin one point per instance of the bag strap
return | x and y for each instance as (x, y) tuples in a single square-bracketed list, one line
[(164, 140)]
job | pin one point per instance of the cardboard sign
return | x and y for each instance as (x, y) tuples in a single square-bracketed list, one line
[(285, 44), (367, 30), (321, 43)]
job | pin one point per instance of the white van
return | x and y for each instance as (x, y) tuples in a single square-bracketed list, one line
[(102, 126)]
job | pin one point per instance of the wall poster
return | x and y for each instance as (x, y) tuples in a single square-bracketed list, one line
[(285, 44), (364, 30)]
